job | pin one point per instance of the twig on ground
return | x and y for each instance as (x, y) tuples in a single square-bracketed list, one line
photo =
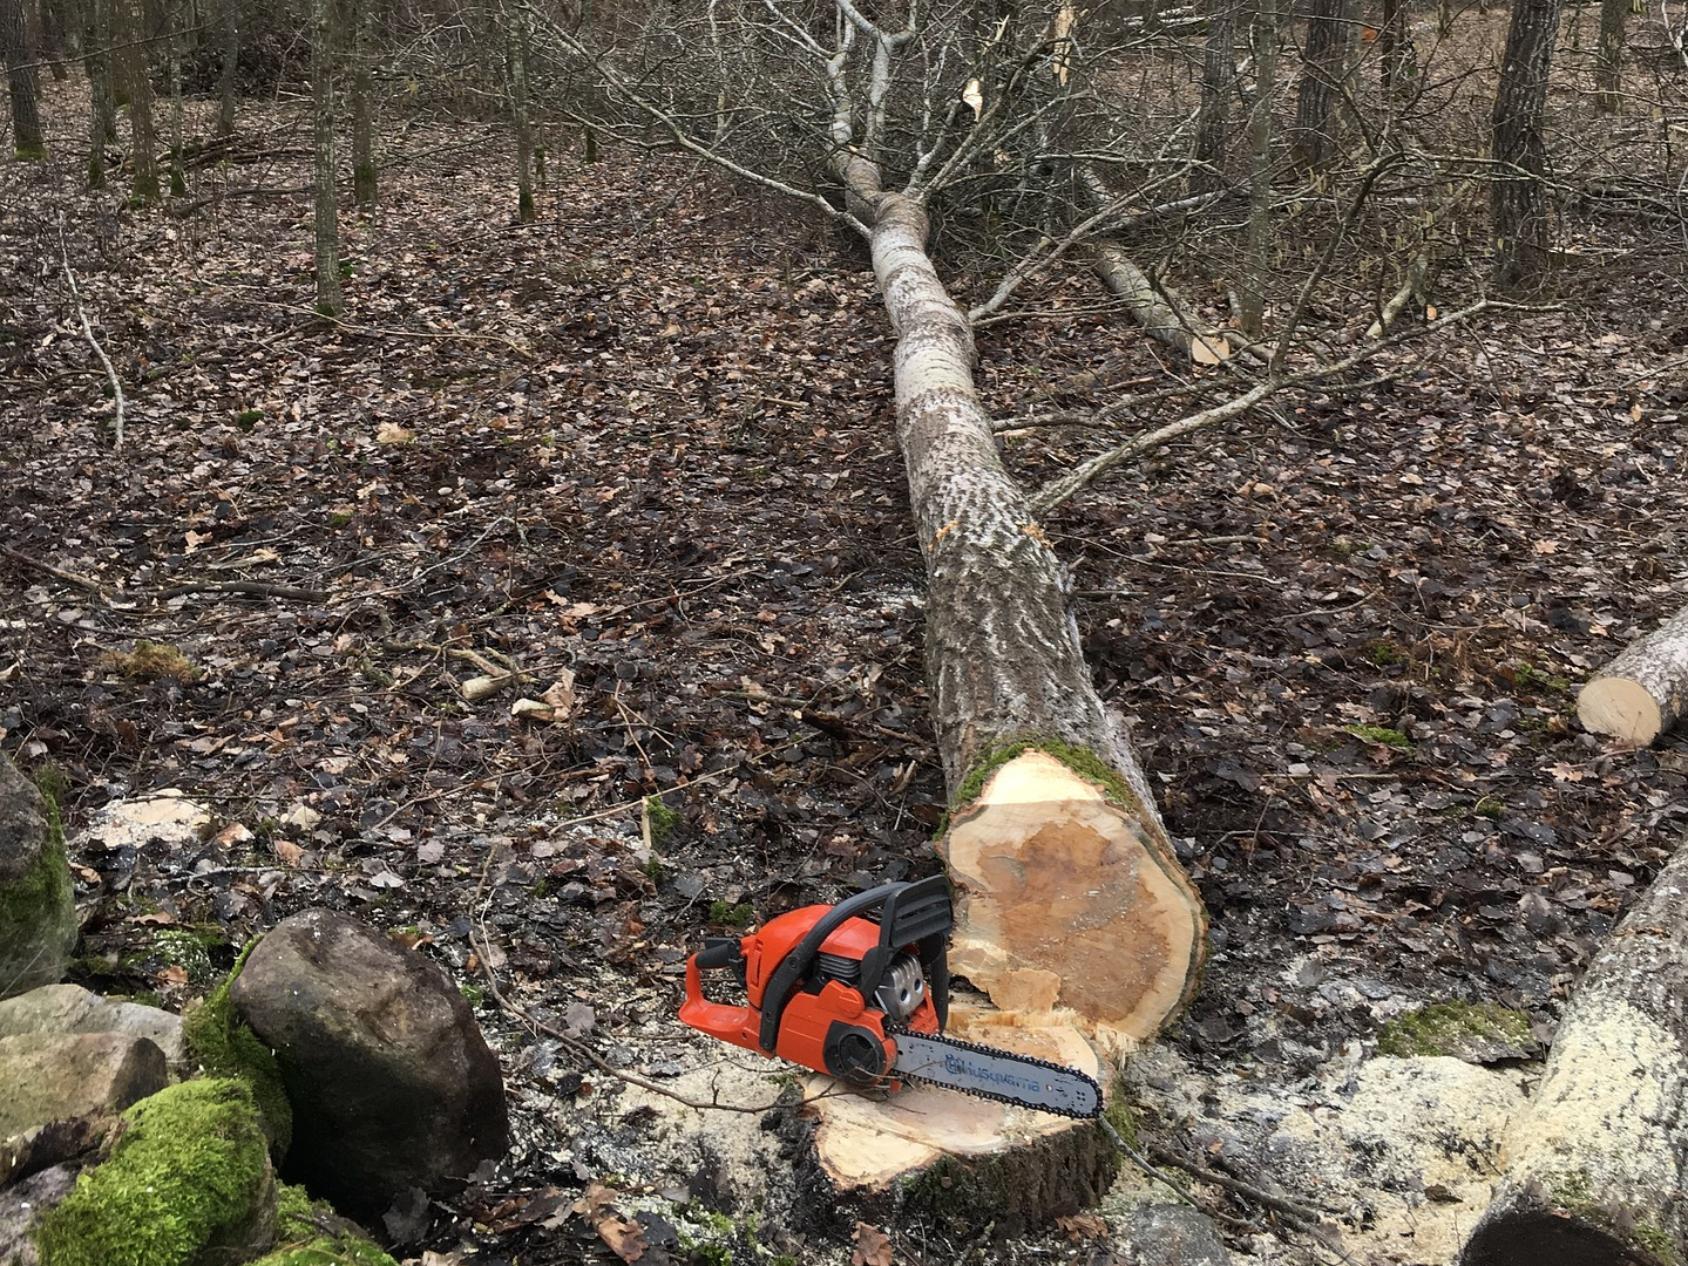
[(88, 331), (68, 577)]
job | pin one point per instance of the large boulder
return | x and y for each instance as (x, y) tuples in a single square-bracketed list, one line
[(73, 1009), (392, 1085), (188, 1183), (37, 899), (21, 1206), (51, 1076)]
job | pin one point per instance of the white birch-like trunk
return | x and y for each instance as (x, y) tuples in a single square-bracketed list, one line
[(1596, 1169)]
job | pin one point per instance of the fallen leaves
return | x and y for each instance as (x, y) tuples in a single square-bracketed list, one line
[(870, 1246), (625, 1238)]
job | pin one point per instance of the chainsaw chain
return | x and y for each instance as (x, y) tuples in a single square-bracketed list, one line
[(997, 1053)]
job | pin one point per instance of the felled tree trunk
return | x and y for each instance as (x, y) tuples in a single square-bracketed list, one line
[(1073, 914), (1596, 1170), (1159, 310), (1644, 691)]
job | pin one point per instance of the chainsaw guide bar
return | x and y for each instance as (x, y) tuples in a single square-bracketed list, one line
[(860, 991)]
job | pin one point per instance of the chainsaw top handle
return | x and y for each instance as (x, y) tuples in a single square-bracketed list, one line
[(914, 914)]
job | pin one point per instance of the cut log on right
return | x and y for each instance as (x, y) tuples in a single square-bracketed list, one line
[(1596, 1169), (1644, 691)]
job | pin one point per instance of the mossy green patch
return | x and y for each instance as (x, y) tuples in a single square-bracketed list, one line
[(1443, 1027), (1120, 1114), (152, 661), (178, 947), (187, 1183), (312, 1234), (38, 908), (663, 820), (729, 915), (225, 1046), (1379, 734)]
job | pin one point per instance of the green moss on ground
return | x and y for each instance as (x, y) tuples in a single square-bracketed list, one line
[(225, 1046), (152, 661), (188, 1183), (312, 1234), (729, 915), (179, 947), (1440, 1028), (663, 820)]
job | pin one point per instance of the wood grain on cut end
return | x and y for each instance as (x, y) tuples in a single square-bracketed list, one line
[(931, 1146), (1619, 707), (1065, 899)]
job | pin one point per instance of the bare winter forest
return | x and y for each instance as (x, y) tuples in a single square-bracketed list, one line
[(496, 494)]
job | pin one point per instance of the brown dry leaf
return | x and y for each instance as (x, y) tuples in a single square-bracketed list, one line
[(1547, 547), (872, 1246), (174, 975), (393, 433), (287, 852), (1083, 1226), (195, 540), (560, 695), (625, 1239)]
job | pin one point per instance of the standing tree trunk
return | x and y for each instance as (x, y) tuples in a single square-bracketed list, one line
[(1323, 69), (53, 38), (1218, 75), (20, 78), (135, 81), (365, 173), (329, 301), (229, 39), (178, 179), (521, 41), (1595, 1169), (1608, 59), (99, 88), (1251, 290), (1396, 63), (1517, 202)]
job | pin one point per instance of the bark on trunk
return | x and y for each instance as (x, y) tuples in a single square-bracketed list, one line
[(99, 89), (327, 225), (1322, 71), (1608, 59), (1517, 201), (1073, 914), (53, 39), (365, 176), (1644, 691), (178, 180), (1596, 1170), (1397, 65), (521, 41), (229, 40), (1219, 71), (1160, 311), (1251, 290), (135, 82), (20, 78)]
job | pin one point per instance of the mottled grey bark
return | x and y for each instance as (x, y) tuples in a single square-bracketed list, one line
[(1517, 200), (135, 81), (20, 80), (1323, 69), (1251, 287), (365, 173), (1218, 75), (1397, 65), (1608, 59), (228, 16), (1597, 1166), (326, 237), (100, 108), (52, 28), (178, 178), (521, 42)]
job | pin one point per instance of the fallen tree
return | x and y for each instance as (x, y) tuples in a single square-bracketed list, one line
[(1644, 691), (1596, 1170)]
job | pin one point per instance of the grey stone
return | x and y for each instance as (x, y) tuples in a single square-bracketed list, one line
[(391, 1082), (37, 900), (73, 1009), (22, 1203), (1171, 1235), (50, 1076)]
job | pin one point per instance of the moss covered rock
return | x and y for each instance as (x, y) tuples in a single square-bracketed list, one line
[(188, 1184), (312, 1234), (1477, 1032), (224, 1046), (37, 900)]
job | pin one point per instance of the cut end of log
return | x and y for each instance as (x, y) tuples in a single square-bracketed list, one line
[(1547, 1237), (1209, 349), (961, 1160), (1066, 900), (1622, 708)]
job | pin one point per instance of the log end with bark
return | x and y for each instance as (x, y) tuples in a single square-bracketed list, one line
[(1644, 691), (1595, 1169), (1068, 896), (953, 1159)]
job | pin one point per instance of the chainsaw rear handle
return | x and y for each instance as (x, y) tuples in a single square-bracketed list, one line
[(930, 927)]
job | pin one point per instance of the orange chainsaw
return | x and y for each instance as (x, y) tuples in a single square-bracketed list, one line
[(860, 991)]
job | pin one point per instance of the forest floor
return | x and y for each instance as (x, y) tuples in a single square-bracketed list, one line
[(647, 441)]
